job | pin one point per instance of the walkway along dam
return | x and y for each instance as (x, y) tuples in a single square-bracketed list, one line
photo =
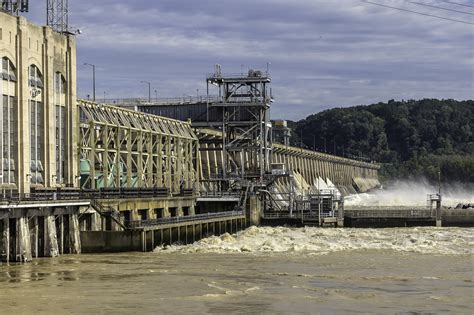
[(78, 176)]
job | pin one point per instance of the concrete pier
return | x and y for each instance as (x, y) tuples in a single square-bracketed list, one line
[(148, 236)]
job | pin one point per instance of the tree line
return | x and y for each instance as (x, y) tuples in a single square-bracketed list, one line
[(410, 139)]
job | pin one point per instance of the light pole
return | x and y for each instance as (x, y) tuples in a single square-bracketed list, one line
[(156, 95), (93, 79), (149, 90)]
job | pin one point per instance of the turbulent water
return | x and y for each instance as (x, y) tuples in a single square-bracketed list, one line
[(260, 270), (317, 241)]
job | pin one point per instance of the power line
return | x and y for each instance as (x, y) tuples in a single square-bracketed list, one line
[(441, 8), (457, 3), (419, 13)]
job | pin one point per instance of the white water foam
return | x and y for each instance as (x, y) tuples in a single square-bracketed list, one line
[(311, 240), (411, 193)]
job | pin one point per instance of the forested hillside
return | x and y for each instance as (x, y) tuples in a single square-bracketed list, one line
[(409, 138)]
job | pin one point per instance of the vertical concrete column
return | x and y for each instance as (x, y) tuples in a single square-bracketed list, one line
[(192, 210), (254, 210), (23, 107), (96, 222), (340, 216), (166, 212), (34, 238), (74, 234), (61, 234), (438, 213), (51, 248), (6, 239), (23, 240)]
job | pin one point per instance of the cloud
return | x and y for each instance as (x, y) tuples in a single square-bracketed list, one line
[(322, 53)]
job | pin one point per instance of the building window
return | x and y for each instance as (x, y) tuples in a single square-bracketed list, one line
[(8, 72), (60, 109), (8, 121), (36, 111)]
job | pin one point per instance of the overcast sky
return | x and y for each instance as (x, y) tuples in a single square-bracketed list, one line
[(323, 54)]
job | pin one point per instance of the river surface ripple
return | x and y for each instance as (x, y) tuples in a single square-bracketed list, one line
[(260, 270)]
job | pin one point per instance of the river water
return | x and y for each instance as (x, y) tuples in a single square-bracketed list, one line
[(260, 270)]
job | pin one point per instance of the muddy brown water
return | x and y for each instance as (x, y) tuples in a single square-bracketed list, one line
[(270, 275)]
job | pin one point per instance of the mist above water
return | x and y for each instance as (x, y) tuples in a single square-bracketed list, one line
[(317, 241), (413, 193)]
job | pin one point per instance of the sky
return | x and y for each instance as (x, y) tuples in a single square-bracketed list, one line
[(320, 54)]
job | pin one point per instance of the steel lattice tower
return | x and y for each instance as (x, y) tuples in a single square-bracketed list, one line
[(57, 15), (244, 106), (14, 6)]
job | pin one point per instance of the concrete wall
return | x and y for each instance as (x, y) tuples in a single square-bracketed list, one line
[(110, 241), (348, 175)]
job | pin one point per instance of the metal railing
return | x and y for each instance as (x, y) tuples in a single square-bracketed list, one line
[(407, 213), (253, 74), (219, 194), (107, 211), (298, 215), (198, 217), (84, 194), (185, 99)]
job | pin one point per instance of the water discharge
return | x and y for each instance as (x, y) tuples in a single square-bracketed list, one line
[(317, 241), (413, 193)]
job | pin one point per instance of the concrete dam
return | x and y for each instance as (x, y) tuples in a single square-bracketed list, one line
[(129, 175)]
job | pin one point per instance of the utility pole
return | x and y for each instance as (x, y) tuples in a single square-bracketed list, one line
[(93, 79), (149, 90), (156, 95)]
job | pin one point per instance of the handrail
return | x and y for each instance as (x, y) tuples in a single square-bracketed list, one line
[(219, 194), (108, 212), (198, 217), (79, 194), (408, 213)]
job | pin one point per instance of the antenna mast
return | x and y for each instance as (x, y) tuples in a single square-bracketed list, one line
[(14, 6), (57, 15)]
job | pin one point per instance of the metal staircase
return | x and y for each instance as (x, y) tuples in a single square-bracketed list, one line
[(108, 212)]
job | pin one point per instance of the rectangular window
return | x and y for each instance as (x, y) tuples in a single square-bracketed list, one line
[(8, 142), (36, 141), (60, 144), (60, 128)]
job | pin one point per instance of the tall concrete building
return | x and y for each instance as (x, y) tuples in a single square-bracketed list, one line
[(38, 113)]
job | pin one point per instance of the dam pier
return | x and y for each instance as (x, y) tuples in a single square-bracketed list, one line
[(79, 176)]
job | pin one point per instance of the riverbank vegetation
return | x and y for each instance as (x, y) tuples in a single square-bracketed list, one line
[(410, 139)]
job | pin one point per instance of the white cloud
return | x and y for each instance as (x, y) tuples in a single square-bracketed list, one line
[(323, 53)]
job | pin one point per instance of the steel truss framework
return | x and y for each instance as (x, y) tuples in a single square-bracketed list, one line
[(57, 15), (244, 103), (14, 6), (130, 149)]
